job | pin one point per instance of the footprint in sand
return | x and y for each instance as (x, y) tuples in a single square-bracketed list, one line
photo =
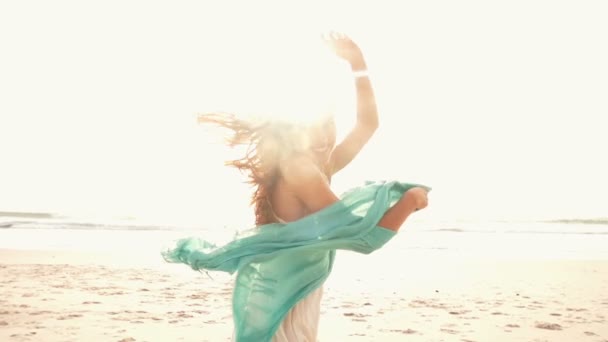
[(427, 304), (128, 339), (406, 331), (449, 331), (548, 326), (352, 314), (115, 293), (36, 313), (512, 325), (589, 333), (91, 302), (461, 312), (2, 323), (61, 318)]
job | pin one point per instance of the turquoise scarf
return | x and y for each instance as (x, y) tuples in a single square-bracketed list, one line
[(279, 264)]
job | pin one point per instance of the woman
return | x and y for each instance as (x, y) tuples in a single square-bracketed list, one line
[(292, 166)]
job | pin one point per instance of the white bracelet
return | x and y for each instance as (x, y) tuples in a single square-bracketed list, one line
[(360, 73)]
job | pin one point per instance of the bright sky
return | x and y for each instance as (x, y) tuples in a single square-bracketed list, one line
[(499, 106)]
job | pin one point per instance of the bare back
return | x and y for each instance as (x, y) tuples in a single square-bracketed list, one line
[(285, 205), (285, 202)]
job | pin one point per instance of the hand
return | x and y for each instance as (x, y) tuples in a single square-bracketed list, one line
[(418, 197), (345, 48)]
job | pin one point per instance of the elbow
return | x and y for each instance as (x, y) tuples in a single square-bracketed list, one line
[(369, 124), (370, 128), (369, 121), (374, 121), (372, 124)]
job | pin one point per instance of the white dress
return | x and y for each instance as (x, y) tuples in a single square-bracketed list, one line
[(302, 322)]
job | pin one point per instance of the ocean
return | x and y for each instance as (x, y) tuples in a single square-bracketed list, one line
[(558, 239)]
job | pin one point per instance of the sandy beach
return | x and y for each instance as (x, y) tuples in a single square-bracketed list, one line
[(78, 296)]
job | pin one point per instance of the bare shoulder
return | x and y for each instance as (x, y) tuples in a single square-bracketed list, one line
[(307, 182)]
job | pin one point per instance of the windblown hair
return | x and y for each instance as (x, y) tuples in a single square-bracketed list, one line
[(267, 142)]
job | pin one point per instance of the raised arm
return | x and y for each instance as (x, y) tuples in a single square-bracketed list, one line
[(367, 113)]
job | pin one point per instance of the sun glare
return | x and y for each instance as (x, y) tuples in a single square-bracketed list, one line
[(300, 84), (287, 74)]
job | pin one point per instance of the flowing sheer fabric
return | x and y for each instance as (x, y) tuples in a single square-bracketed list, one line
[(281, 264), (301, 322)]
